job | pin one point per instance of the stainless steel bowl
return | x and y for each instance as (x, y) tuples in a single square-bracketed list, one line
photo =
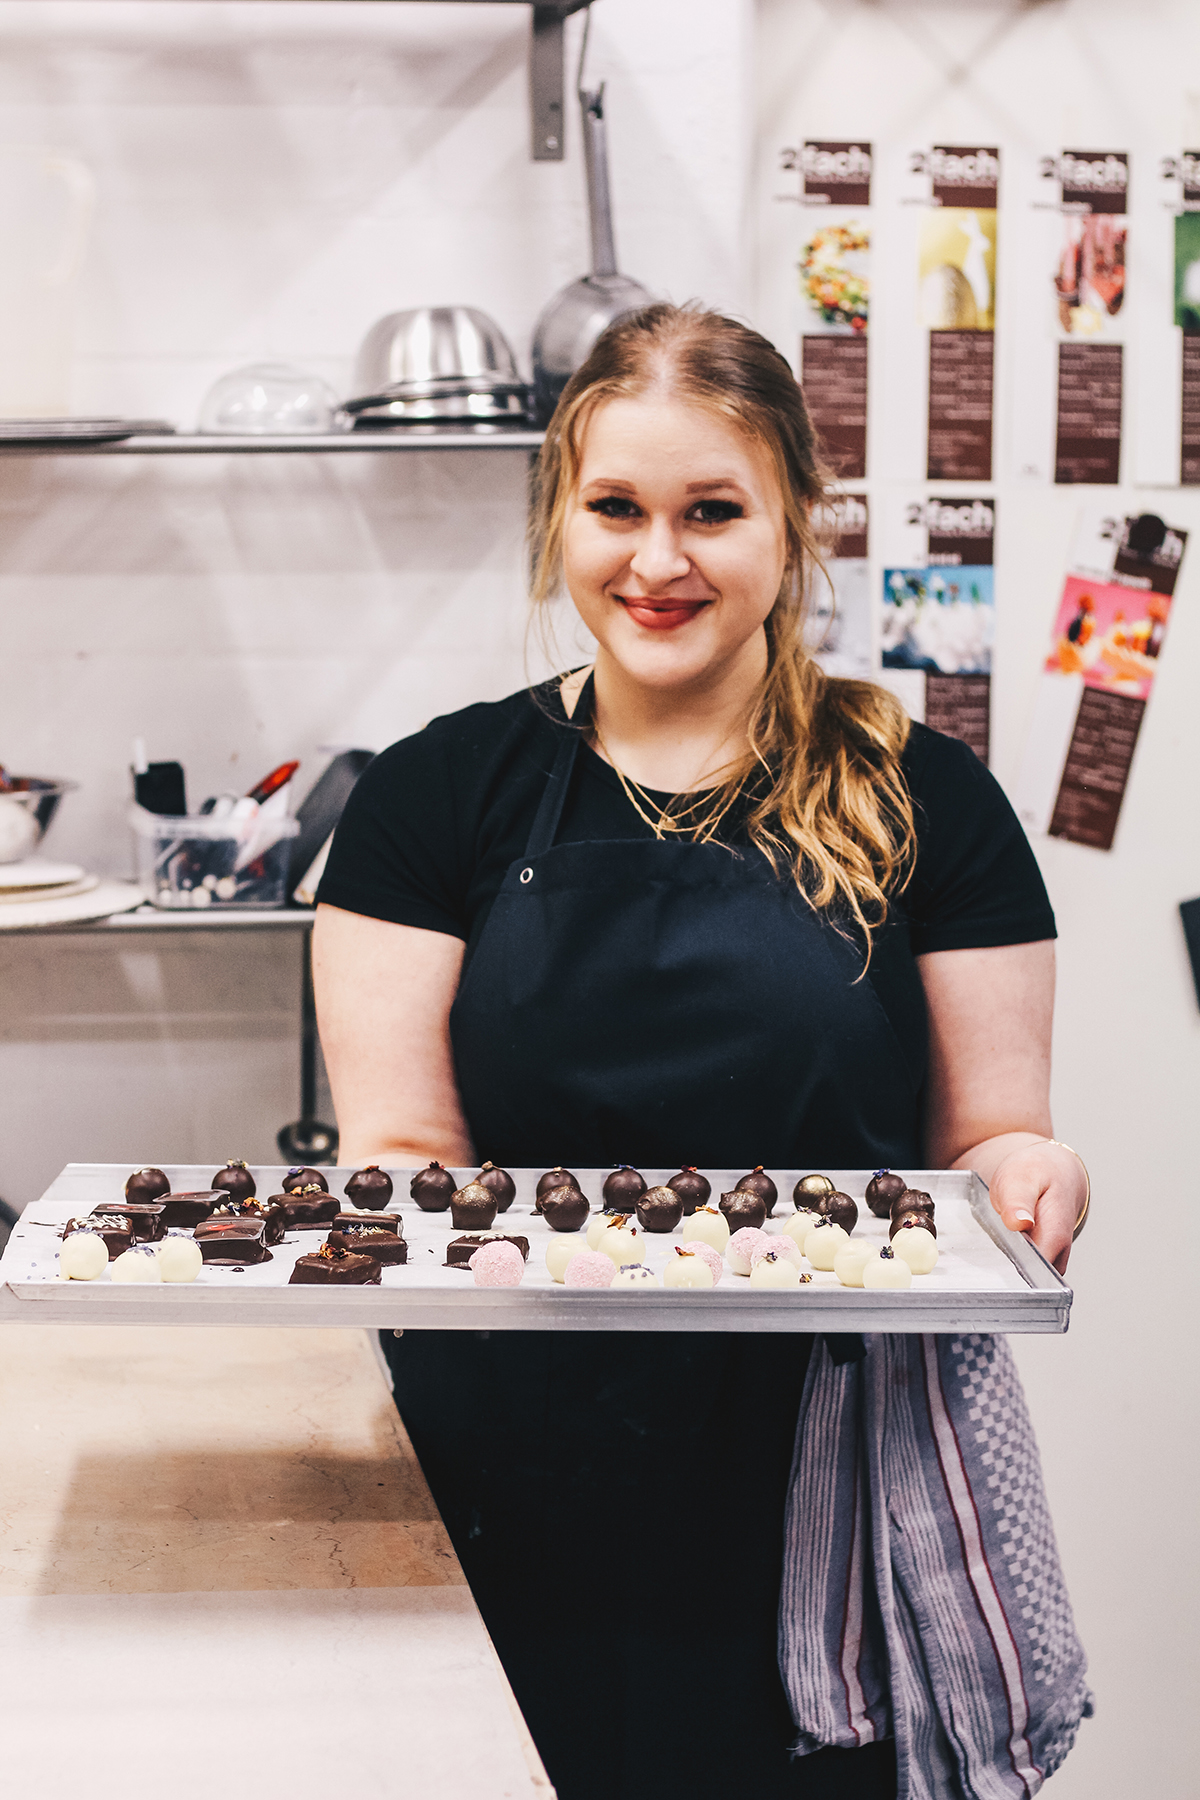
[(419, 351)]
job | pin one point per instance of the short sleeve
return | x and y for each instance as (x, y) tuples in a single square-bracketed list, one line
[(977, 883), (395, 853)]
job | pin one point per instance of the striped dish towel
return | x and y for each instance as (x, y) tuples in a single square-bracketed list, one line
[(922, 1596)]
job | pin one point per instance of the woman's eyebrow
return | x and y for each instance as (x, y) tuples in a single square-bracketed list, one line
[(721, 481)]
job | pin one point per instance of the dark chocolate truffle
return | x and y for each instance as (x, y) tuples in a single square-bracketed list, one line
[(500, 1183), (237, 1181), (760, 1183), (907, 1221), (564, 1208), (232, 1241), (693, 1188), (308, 1209), (622, 1187), (370, 1188), (555, 1178), (659, 1209), (295, 1179), (840, 1208), (912, 1200), (114, 1228), (884, 1187), (473, 1208), (741, 1207), (147, 1184), (808, 1190), (189, 1209), (460, 1250), (336, 1266), (146, 1217), (431, 1188), (374, 1240)]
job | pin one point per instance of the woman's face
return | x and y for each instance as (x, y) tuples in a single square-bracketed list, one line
[(675, 545)]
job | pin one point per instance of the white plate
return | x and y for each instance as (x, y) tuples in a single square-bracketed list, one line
[(35, 871), (105, 898), (58, 890)]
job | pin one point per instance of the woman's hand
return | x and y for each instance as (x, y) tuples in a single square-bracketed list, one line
[(1036, 1185)]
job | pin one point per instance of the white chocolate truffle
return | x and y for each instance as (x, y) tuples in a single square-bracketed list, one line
[(137, 1264), (774, 1271), (823, 1243), (917, 1247), (886, 1271), (687, 1270), (848, 1263), (559, 1252), (799, 1226), (636, 1276), (779, 1243), (622, 1242), (179, 1258), (84, 1256), (713, 1258), (739, 1251), (596, 1224), (709, 1225)]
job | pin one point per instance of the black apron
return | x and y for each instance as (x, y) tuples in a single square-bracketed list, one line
[(617, 1498)]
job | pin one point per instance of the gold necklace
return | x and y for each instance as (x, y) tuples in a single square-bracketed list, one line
[(668, 822)]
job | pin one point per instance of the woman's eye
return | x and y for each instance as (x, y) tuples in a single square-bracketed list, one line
[(717, 512), (613, 506)]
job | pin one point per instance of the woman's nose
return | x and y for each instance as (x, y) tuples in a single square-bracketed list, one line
[(659, 557)]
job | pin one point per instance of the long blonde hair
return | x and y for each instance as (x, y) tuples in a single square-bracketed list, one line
[(821, 773)]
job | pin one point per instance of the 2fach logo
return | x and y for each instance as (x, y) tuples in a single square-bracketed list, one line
[(834, 173), (961, 532), (1092, 180)]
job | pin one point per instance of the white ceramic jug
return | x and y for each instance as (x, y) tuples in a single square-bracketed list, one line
[(46, 204)]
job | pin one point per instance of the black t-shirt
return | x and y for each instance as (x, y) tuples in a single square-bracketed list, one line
[(435, 821)]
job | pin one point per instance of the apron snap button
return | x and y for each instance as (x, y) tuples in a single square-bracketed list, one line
[(526, 875)]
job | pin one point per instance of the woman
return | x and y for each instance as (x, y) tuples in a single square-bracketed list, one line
[(695, 903)]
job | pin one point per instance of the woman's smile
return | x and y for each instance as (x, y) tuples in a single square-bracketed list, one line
[(661, 612)]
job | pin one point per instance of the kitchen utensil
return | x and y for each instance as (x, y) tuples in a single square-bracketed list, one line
[(29, 433), (431, 350), (466, 407), (574, 319), (39, 798), (46, 205), (269, 400), (200, 861)]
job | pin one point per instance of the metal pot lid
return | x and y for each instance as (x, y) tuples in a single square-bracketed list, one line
[(433, 343)]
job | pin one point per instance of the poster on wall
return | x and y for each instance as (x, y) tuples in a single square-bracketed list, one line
[(938, 620), (1187, 315), (1089, 292), (1105, 649), (839, 619), (835, 292), (957, 276)]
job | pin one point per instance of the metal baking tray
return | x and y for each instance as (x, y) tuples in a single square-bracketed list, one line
[(987, 1278)]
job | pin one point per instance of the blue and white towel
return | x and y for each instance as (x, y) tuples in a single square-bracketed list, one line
[(922, 1594)]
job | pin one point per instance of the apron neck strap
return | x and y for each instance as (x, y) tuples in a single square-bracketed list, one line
[(549, 812)]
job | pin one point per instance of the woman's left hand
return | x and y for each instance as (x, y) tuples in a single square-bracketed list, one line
[(1039, 1188)]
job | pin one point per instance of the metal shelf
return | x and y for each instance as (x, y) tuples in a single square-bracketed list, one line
[(196, 443), (149, 919)]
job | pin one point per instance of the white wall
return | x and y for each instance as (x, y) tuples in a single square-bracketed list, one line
[(1116, 1401), (271, 179)]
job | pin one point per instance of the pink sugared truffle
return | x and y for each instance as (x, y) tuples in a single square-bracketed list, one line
[(498, 1265), (713, 1258), (590, 1269), (783, 1245), (742, 1245)]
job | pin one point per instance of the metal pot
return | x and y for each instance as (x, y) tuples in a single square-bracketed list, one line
[(434, 353), (574, 319)]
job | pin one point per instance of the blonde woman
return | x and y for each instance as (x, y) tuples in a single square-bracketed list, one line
[(695, 903)]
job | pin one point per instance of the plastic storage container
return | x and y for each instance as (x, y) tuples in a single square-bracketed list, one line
[(209, 862)]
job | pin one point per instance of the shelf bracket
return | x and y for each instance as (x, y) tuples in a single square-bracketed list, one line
[(547, 76)]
